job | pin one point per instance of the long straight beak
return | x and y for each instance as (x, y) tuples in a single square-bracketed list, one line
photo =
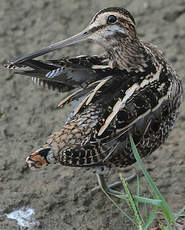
[(69, 41)]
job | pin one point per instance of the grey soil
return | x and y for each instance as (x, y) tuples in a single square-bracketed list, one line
[(60, 195)]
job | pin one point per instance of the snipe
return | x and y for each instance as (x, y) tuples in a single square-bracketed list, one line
[(131, 89)]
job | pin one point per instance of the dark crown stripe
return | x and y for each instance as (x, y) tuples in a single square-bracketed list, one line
[(115, 9)]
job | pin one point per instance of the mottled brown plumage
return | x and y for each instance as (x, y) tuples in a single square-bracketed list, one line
[(130, 90)]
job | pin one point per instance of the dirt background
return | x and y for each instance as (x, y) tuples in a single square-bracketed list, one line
[(60, 195)]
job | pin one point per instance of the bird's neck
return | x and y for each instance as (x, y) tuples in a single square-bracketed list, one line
[(129, 55)]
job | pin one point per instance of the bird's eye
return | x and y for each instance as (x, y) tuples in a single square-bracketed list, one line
[(111, 19)]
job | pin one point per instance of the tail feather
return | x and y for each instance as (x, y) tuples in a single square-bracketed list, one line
[(42, 157)]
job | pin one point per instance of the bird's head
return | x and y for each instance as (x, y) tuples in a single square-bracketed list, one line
[(107, 28), (112, 25)]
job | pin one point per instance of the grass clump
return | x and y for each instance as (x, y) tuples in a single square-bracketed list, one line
[(156, 205)]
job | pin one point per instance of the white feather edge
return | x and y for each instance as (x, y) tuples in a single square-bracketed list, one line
[(97, 88)]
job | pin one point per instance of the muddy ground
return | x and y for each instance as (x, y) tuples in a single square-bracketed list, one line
[(60, 195)]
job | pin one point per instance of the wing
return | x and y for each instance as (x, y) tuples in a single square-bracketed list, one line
[(137, 100), (128, 103), (87, 74), (64, 74)]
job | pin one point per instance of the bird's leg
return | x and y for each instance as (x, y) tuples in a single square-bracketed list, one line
[(108, 188)]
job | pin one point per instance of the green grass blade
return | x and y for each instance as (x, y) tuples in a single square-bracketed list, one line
[(165, 208), (169, 227), (117, 206), (142, 200), (138, 191), (132, 202), (150, 219), (179, 213), (146, 211)]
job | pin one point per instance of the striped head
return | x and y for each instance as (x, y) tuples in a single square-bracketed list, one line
[(111, 25), (108, 27)]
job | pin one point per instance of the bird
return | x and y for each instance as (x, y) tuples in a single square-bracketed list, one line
[(130, 89)]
